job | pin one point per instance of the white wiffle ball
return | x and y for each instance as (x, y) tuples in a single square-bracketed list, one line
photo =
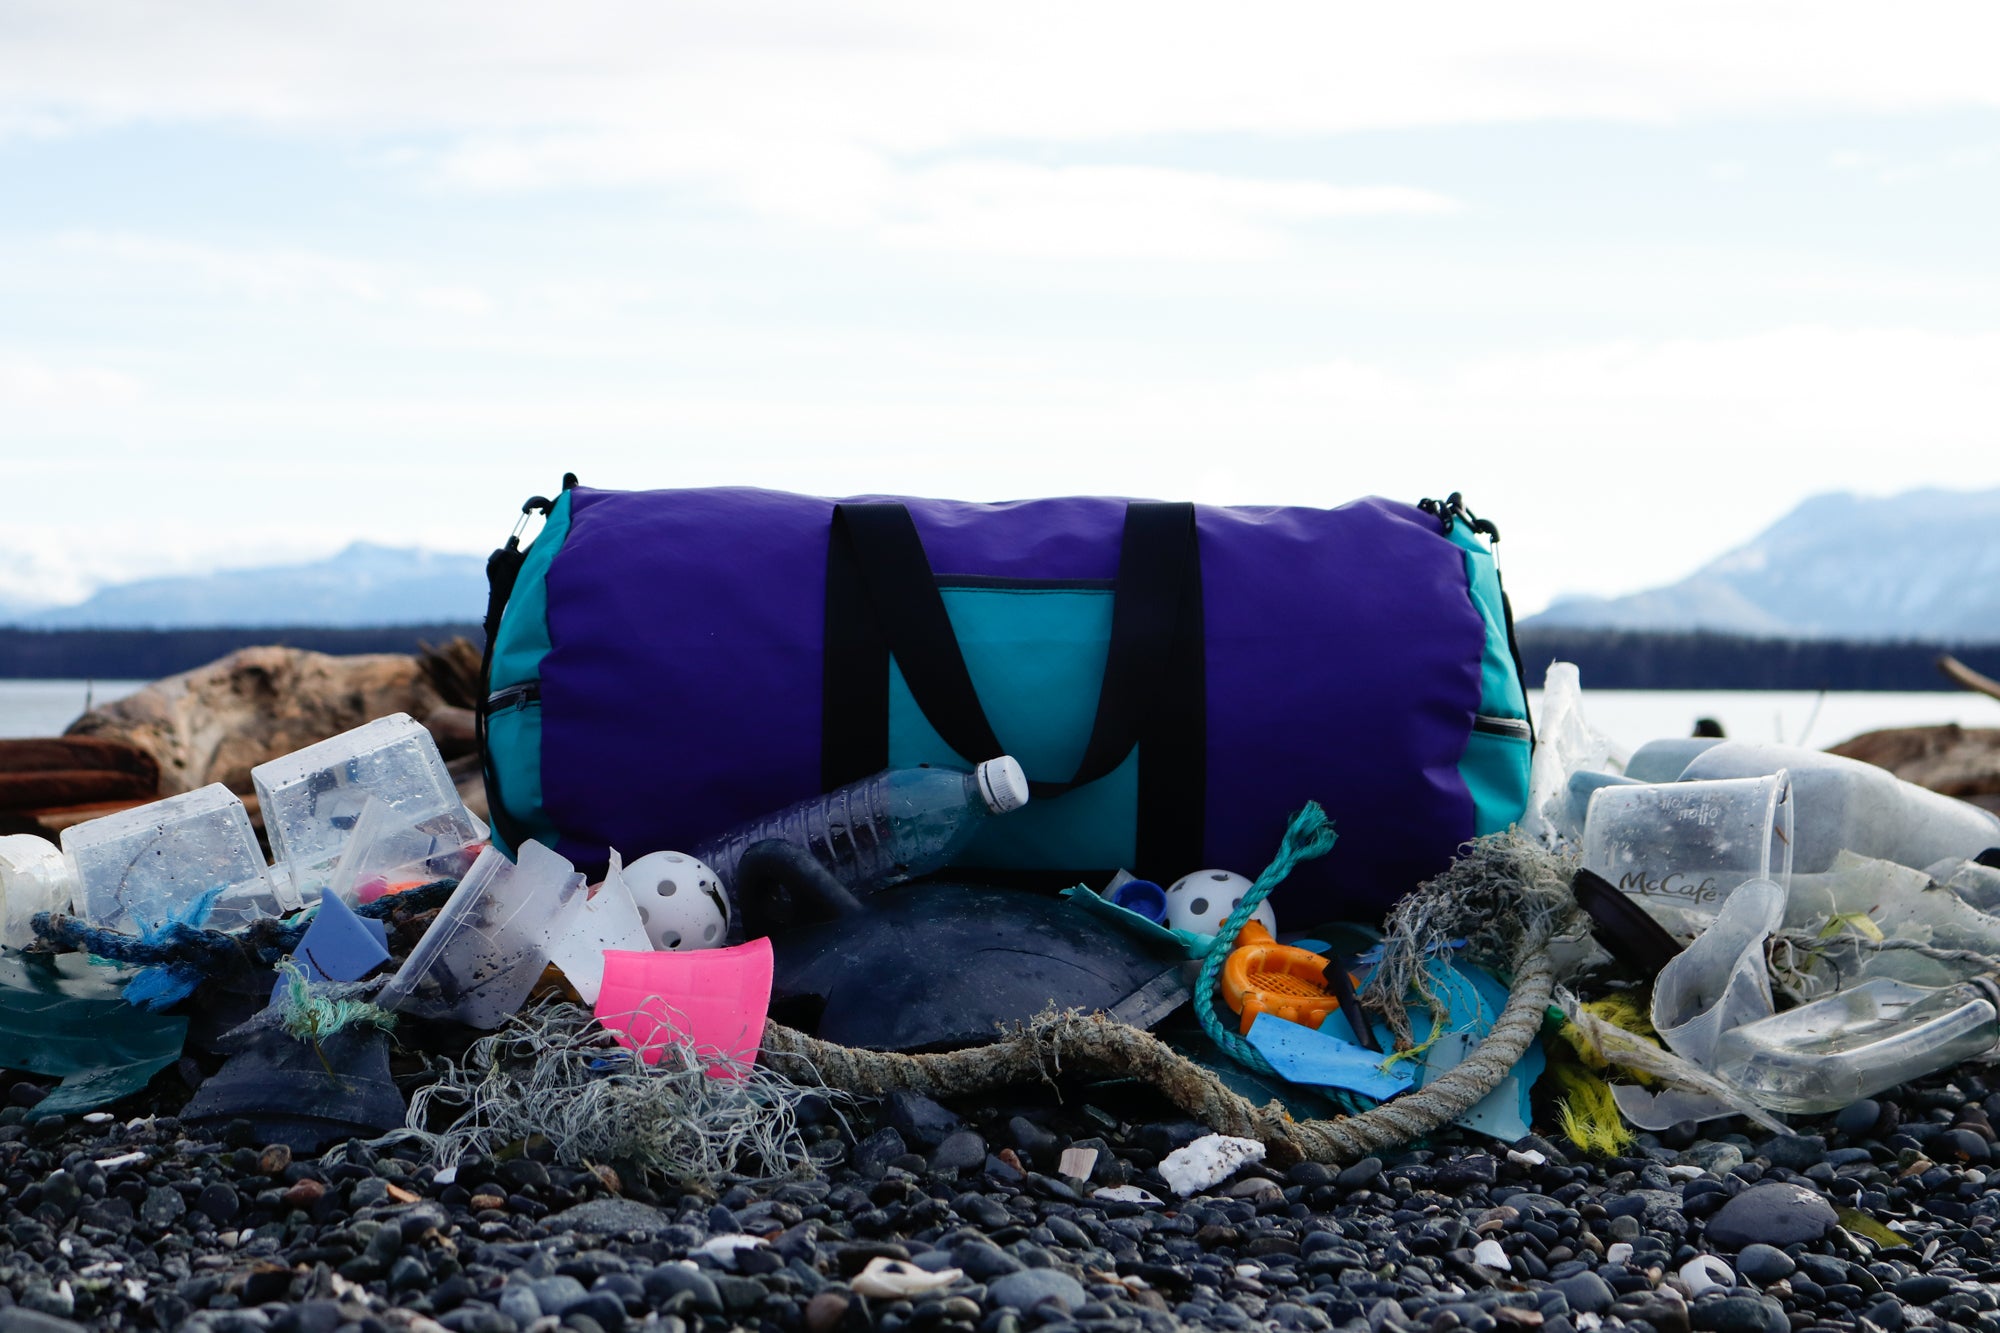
[(1201, 902), (680, 900)]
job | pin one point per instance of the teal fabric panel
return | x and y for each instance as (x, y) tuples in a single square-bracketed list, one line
[(514, 735), (1036, 657), (1494, 767), (1501, 692)]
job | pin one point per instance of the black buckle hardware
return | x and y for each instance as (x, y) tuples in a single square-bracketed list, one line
[(1451, 508)]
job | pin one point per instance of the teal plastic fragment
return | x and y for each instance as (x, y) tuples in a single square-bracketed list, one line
[(1474, 999), (100, 1087), (61, 1016), (1307, 1055), (1188, 943)]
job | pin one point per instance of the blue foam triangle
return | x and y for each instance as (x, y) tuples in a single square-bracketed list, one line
[(338, 945)]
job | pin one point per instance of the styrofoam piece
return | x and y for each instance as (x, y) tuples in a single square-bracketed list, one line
[(1209, 1160), (152, 862), (313, 798), (608, 919)]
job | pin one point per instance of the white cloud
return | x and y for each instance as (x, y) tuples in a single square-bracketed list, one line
[(261, 274), (1122, 212), (1609, 466), (888, 114), (35, 384)]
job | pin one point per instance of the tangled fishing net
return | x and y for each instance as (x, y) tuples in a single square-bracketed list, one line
[(555, 1074), (1505, 896)]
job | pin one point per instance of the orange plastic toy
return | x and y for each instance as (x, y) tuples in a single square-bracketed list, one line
[(1262, 976)]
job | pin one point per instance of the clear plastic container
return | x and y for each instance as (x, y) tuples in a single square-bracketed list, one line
[(313, 798), (144, 865), (1858, 1042), (33, 878), (387, 852), (882, 830), (489, 944), (1846, 805), (608, 919), (1681, 848)]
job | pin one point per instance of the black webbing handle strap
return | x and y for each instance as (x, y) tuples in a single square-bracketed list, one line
[(877, 554)]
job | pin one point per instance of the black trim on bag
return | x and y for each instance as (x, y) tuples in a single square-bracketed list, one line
[(1514, 727), (881, 596), (1005, 583), (503, 570)]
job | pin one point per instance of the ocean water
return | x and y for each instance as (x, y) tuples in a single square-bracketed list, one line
[(1788, 717), (45, 707)]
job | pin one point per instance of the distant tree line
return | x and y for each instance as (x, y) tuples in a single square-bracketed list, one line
[(1608, 659), (1646, 660), (148, 654)]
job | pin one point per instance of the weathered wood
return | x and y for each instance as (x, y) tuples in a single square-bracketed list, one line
[(1967, 677), (1958, 761), (70, 786), (51, 754), (217, 722)]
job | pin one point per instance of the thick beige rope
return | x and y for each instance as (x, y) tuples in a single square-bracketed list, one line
[(1099, 1046)]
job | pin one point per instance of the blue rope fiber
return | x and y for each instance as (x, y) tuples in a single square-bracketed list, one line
[(177, 955), (1309, 836)]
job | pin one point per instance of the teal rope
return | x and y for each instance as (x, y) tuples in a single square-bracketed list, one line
[(1309, 837)]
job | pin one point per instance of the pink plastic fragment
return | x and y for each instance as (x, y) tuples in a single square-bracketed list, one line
[(716, 999)]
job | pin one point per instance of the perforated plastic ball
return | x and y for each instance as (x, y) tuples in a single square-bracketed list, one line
[(1203, 901), (680, 900)]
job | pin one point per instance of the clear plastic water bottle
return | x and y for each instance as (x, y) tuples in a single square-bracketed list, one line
[(1857, 1042), (1845, 804), (882, 830)]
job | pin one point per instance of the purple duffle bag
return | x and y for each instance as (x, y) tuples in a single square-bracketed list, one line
[(1177, 680)]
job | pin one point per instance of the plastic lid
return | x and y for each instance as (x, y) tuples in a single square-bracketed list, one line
[(1003, 783)]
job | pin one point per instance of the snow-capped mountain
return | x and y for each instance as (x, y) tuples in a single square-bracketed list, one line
[(365, 584), (1923, 565)]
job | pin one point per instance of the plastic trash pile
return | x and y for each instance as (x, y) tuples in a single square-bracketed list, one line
[(1773, 931), (1813, 930)]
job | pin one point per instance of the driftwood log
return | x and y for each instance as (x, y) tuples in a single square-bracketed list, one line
[(217, 722), (73, 770)]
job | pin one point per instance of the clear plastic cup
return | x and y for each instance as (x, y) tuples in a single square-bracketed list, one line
[(1681, 848)]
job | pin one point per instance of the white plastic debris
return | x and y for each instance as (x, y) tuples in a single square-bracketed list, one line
[(1077, 1163), (892, 1279), (1618, 1252), (1207, 1161), (1128, 1194), (1705, 1271), (1488, 1254), (121, 1160), (1532, 1157), (724, 1249)]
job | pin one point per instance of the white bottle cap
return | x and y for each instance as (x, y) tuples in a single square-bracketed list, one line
[(1003, 784)]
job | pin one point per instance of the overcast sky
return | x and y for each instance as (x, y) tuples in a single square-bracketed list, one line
[(1634, 278)]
